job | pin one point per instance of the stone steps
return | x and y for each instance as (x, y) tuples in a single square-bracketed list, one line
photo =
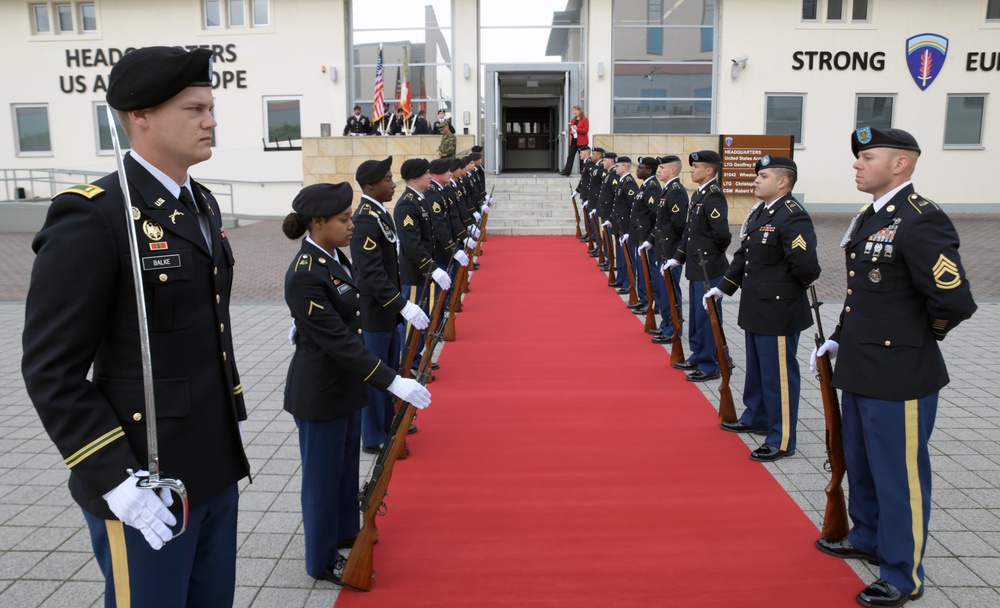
[(531, 205)]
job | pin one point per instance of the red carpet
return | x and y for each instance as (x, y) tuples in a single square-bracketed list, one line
[(564, 463)]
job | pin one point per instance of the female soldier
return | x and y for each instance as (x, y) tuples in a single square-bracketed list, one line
[(325, 389)]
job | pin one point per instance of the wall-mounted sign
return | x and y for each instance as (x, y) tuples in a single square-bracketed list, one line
[(925, 55), (740, 154)]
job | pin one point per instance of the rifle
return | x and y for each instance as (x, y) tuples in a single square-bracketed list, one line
[(358, 571), (458, 288), (609, 245), (727, 409), (633, 298), (650, 314), (676, 317), (576, 211), (835, 519), (410, 349)]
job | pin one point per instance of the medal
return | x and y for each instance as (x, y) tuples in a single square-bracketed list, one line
[(875, 276)]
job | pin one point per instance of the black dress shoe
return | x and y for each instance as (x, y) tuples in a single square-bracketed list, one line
[(333, 573), (739, 427), (592, 254), (882, 594), (661, 339), (656, 331), (435, 366), (769, 453), (374, 449), (844, 550), (622, 290), (639, 311), (637, 305), (412, 429), (700, 376), (685, 365)]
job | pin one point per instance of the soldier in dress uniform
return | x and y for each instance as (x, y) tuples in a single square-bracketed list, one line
[(707, 231), (327, 376), (358, 123), (621, 211), (417, 226), (163, 96), (586, 165), (442, 119), (605, 201), (906, 289), (436, 197), (588, 194), (779, 238), (671, 219), (420, 126), (376, 266), (597, 177), (641, 224)]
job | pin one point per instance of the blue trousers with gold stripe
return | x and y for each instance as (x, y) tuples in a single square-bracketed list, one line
[(621, 270), (700, 336), (889, 472), (415, 294), (195, 570), (771, 388), (377, 416), (663, 300)]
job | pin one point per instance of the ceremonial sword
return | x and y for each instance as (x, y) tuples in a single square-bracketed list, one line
[(154, 481)]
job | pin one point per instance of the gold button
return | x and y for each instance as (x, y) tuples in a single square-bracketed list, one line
[(747, 250), (777, 297), (847, 309), (357, 313), (215, 270), (850, 274), (854, 255), (888, 342), (222, 328), (359, 331), (163, 278), (321, 260), (223, 356), (217, 298), (746, 274), (137, 417), (850, 292), (357, 296)]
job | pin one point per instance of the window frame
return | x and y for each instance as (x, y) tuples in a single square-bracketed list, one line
[(99, 113), (83, 19), (212, 8), (242, 13), (59, 14), (982, 122), (995, 5), (34, 18), (798, 145), (265, 100), (254, 22), (892, 111), (17, 130), (821, 12)]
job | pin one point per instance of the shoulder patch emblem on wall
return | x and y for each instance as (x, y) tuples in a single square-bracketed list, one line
[(369, 245), (946, 274)]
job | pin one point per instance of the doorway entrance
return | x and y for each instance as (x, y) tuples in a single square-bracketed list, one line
[(527, 114)]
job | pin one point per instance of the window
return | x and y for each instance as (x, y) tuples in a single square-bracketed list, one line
[(835, 10), (261, 14), (283, 119), (860, 10), (104, 132), (810, 9), (32, 125), (237, 13), (88, 17), (873, 111), (64, 15), (993, 10), (654, 35), (41, 15), (784, 116), (963, 125), (213, 13)]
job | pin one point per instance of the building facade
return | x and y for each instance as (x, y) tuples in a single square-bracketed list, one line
[(507, 73)]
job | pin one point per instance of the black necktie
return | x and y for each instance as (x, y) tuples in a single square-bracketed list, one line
[(188, 201), (867, 215), (191, 205)]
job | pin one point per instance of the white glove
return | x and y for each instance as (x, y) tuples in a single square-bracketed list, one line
[(584, 203), (470, 242), (623, 238), (645, 245), (593, 212), (672, 263), (441, 278), (711, 293), (475, 232), (491, 199), (573, 196), (410, 391), (144, 510), (414, 316), (291, 333), (477, 216), (606, 223), (485, 208), (827, 348), (461, 258)]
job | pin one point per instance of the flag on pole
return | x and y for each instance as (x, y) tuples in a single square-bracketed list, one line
[(407, 103), (379, 104), (399, 90)]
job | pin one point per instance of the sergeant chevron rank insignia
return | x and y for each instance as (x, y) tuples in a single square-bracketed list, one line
[(946, 273), (408, 221), (799, 243)]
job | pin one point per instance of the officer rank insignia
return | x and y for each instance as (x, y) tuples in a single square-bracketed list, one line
[(87, 190), (946, 274)]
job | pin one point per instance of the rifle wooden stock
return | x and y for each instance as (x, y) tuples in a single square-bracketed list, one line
[(633, 297), (727, 409), (456, 297), (676, 318), (650, 313), (590, 233), (611, 255), (835, 525), (576, 212), (478, 251)]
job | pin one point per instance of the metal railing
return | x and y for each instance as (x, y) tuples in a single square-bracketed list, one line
[(43, 184)]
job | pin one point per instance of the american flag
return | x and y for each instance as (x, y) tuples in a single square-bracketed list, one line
[(379, 104)]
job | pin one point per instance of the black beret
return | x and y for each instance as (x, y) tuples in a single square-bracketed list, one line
[(649, 161), (440, 166), (414, 168), (597, 150), (357, 107), (466, 160), (623, 160), (323, 200), (582, 148), (456, 163), (609, 155), (372, 171), (149, 76), (669, 158), (477, 149), (475, 156), (870, 137), (705, 156), (775, 162), (442, 111)]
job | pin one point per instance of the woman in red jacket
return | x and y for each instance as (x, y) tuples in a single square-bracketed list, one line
[(578, 128)]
